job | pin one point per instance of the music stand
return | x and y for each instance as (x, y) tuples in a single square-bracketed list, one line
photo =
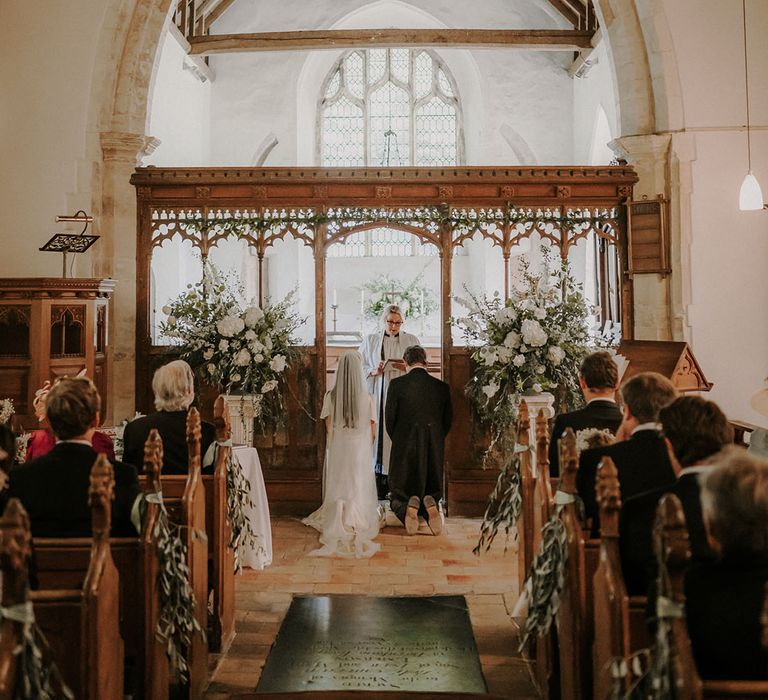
[(69, 243)]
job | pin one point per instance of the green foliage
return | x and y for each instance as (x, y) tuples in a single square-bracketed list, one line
[(238, 501), (409, 296)]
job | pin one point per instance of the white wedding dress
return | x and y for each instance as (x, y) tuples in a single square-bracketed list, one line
[(348, 520)]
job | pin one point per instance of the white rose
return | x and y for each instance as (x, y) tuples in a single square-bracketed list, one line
[(533, 333), (250, 334), (223, 345), (527, 305), (252, 315), (258, 357), (540, 313), (235, 377), (537, 388), (208, 354), (256, 346), (211, 369), (269, 386), (519, 360), (277, 363), (488, 356), (505, 354), (556, 354), (171, 320), (490, 389), (268, 343), (242, 358), (166, 310), (230, 325), (541, 369), (512, 340)]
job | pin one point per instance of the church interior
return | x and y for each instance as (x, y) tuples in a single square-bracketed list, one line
[(315, 165)]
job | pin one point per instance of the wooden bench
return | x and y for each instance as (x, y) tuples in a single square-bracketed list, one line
[(685, 678), (619, 621), (184, 499), (61, 563), (526, 523), (221, 624), (81, 623)]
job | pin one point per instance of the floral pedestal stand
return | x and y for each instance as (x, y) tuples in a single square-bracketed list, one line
[(535, 403), (242, 412)]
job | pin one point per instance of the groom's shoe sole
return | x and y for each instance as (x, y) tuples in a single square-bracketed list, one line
[(435, 519), (412, 515)]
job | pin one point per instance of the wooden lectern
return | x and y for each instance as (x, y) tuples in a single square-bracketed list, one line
[(673, 359), (51, 327)]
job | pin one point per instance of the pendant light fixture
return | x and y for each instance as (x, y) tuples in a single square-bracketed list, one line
[(750, 195)]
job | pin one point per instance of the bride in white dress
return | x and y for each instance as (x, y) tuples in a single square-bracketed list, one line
[(348, 520)]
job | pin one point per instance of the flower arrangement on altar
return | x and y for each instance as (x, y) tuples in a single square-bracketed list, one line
[(414, 297), (532, 342), (243, 350), (6, 410)]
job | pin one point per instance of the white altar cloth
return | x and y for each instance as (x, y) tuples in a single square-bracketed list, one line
[(261, 556)]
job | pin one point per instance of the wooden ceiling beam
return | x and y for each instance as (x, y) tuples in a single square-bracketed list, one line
[(568, 11), (218, 11), (532, 39)]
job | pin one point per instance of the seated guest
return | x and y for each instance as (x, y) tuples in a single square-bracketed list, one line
[(694, 430), (724, 599), (598, 379), (642, 460), (54, 488), (174, 389), (42, 441)]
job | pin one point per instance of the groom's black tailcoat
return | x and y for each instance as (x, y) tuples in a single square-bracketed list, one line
[(418, 417)]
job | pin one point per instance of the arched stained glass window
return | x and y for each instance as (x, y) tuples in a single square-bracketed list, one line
[(389, 107)]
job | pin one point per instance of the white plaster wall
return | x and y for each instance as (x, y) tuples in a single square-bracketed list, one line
[(729, 249), (529, 93), (180, 111), (47, 55)]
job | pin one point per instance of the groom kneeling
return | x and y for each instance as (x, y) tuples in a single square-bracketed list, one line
[(418, 417)]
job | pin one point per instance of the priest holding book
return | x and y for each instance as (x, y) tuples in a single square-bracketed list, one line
[(383, 361)]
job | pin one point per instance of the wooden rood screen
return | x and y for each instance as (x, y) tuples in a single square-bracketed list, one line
[(319, 207)]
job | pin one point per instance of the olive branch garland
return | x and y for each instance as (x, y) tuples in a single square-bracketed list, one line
[(238, 501), (546, 580), (40, 678), (504, 504), (177, 622)]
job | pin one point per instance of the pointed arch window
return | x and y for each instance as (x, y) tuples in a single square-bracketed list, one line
[(391, 108)]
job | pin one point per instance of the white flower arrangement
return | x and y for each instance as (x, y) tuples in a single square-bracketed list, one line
[(238, 349), (6, 410), (532, 342)]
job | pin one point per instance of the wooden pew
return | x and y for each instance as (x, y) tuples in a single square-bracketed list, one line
[(543, 508), (526, 523), (15, 553), (221, 624), (184, 499), (672, 537), (61, 563), (81, 624), (574, 618), (619, 622)]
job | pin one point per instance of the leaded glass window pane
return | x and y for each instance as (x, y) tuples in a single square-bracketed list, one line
[(343, 134), (354, 246), (353, 74), (435, 133), (393, 107)]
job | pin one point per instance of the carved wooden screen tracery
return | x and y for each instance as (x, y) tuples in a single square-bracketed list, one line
[(321, 207)]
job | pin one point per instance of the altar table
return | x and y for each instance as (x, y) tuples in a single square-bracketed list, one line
[(261, 555)]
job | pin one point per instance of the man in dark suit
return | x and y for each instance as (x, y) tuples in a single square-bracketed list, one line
[(174, 387), (695, 430), (418, 417), (641, 458), (598, 378), (54, 488)]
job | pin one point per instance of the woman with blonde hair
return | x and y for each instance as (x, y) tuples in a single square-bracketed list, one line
[(348, 519)]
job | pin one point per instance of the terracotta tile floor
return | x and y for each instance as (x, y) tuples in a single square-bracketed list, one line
[(418, 565)]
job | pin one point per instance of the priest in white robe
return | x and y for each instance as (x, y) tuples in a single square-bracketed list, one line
[(383, 361)]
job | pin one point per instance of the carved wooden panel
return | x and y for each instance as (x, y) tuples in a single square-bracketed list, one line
[(14, 331), (648, 245), (14, 384), (68, 330)]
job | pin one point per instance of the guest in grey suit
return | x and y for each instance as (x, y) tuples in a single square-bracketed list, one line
[(418, 417)]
